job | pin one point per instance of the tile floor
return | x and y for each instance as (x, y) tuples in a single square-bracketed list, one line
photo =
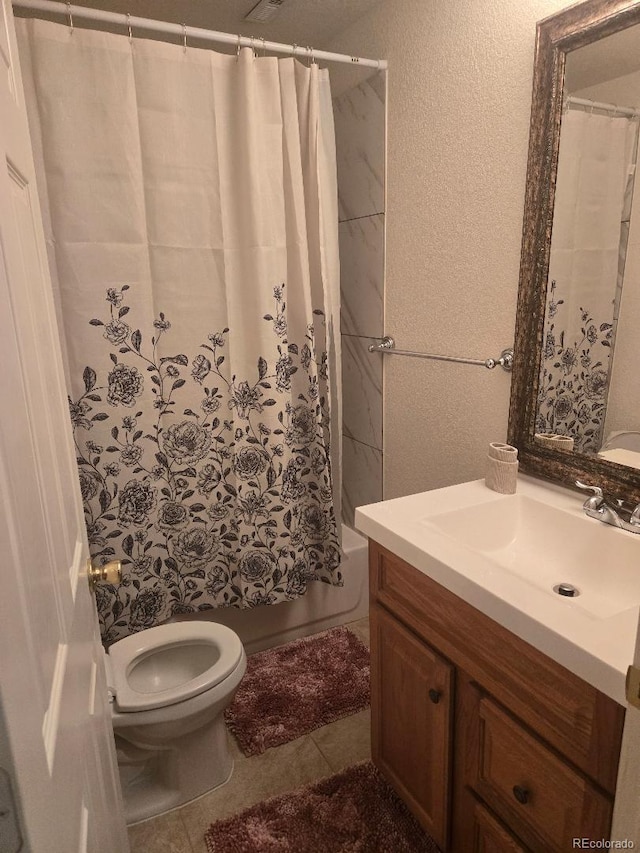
[(321, 753)]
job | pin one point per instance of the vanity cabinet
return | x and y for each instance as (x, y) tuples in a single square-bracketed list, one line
[(493, 746)]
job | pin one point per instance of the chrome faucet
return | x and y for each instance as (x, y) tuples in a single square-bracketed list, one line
[(620, 515)]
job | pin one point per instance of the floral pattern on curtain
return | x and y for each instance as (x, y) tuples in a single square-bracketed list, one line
[(233, 500), (574, 378), (190, 209)]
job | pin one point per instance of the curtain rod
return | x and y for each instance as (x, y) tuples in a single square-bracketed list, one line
[(597, 105), (193, 32)]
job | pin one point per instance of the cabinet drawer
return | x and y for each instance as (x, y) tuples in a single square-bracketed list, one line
[(489, 834), (575, 718), (540, 797)]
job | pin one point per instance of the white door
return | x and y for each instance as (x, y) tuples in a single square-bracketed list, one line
[(626, 812), (59, 790)]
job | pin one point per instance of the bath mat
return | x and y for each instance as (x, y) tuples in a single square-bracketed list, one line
[(293, 689), (355, 811)]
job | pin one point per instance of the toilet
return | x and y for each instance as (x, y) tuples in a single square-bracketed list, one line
[(168, 688)]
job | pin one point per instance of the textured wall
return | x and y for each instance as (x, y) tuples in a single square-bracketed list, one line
[(458, 126)]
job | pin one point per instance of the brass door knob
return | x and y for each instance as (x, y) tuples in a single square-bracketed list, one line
[(108, 573)]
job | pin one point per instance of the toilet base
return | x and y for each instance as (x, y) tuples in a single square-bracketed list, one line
[(158, 779)]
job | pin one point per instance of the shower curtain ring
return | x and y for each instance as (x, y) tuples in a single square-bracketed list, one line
[(129, 28), (70, 18), (184, 38), (238, 46), (264, 46), (253, 49), (294, 47)]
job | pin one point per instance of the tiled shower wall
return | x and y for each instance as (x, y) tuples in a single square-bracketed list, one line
[(360, 143)]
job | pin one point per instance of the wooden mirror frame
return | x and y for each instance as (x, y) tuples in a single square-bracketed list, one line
[(557, 35)]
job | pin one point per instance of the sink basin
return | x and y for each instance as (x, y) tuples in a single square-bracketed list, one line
[(504, 554), (546, 546)]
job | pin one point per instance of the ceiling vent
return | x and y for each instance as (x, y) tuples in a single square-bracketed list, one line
[(264, 11)]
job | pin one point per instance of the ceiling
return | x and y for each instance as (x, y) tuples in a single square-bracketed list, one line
[(303, 22)]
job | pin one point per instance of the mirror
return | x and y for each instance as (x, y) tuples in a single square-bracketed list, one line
[(575, 401), (588, 396)]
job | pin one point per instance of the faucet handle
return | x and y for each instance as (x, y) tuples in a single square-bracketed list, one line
[(597, 498), (597, 491)]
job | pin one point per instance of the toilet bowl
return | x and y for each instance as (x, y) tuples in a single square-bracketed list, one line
[(169, 687)]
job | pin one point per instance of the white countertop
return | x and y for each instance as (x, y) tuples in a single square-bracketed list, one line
[(598, 649)]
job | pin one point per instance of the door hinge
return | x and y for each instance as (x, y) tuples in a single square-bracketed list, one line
[(633, 686)]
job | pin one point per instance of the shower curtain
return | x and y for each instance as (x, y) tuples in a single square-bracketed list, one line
[(586, 266), (190, 206)]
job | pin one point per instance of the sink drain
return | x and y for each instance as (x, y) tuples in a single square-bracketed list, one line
[(566, 589)]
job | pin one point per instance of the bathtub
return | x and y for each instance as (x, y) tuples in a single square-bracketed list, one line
[(323, 606)]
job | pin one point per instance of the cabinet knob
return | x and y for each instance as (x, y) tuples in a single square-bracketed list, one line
[(521, 794), (434, 695)]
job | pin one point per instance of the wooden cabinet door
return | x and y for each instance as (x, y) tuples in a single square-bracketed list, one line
[(412, 720)]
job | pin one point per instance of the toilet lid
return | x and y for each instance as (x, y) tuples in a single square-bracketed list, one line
[(170, 663)]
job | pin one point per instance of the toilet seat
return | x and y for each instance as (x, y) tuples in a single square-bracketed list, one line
[(170, 663)]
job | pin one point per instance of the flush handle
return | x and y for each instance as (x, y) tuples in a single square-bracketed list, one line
[(110, 573)]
